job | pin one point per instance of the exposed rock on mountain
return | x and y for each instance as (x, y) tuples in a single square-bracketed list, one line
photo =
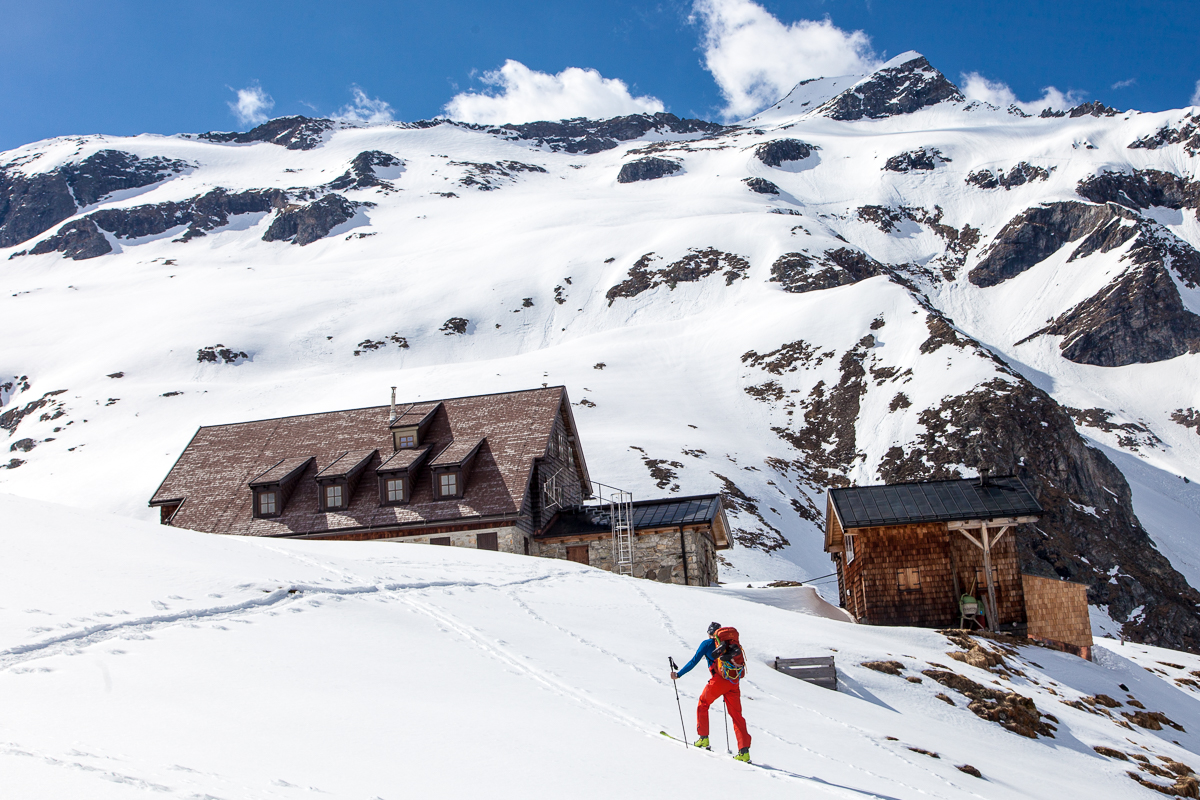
[(219, 353), (647, 169), (761, 185), (1034, 235), (486, 177), (294, 133), (595, 136), (1141, 188), (1093, 109), (697, 264), (778, 152), (306, 224), (800, 272), (1011, 423), (927, 158), (77, 240), (1187, 133), (1019, 175), (30, 205), (905, 84), (361, 174)]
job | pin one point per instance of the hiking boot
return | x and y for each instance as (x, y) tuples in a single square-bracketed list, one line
[(743, 755), (703, 742)]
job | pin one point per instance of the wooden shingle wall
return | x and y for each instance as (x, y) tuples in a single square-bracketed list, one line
[(1010, 596), (1058, 610)]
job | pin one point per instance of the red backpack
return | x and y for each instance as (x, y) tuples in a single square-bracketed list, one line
[(731, 660)]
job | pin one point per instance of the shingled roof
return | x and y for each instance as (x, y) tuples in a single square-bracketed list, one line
[(211, 478), (933, 501)]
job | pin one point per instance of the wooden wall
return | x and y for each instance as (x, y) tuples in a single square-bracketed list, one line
[(1058, 611), (871, 589)]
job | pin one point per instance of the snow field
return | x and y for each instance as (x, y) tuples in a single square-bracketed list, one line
[(139, 659)]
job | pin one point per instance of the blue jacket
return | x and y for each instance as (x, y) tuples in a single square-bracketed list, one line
[(708, 649)]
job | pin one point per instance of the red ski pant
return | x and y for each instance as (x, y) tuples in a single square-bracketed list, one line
[(719, 687)]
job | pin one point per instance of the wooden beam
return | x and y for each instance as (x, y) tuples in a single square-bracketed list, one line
[(979, 523)]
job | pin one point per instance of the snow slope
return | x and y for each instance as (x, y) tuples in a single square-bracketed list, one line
[(138, 660)]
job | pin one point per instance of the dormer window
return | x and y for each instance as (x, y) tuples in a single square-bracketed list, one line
[(448, 484), (333, 496), (406, 441), (451, 469), (272, 488), (394, 487), (397, 475), (268, 503)]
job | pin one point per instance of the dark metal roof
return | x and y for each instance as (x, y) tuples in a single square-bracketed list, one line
[(933, 501), (681, 511)]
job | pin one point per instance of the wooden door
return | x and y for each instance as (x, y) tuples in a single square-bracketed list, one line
[(486, 541), (578, 553), (442, 540)]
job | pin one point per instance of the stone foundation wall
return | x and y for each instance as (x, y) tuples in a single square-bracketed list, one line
[(505, 539), (657, 556)]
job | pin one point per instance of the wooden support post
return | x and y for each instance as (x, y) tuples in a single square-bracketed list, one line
[(993, 613), (954, 577)]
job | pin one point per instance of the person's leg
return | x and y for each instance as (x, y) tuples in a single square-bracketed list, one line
[(707, 697), (733, 701)]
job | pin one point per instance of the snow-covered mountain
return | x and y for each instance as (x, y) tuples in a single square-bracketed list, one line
[(140, 661), (872, 280)]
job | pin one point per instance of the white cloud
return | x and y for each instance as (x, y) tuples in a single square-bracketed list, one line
[(1196, 95), (1125, 84), (756, 59), (252, 105), (364, 108), (998, 93), (520, 94)]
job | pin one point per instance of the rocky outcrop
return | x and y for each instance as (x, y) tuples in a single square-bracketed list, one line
[(488, 176), (1088, 532), (760, 185), (1035, 234), (294, 133), (33, 204), (896, 88), (595, 136), (647, 169), (361, 174), (1142, 188), (308, 223), (1092, 109), (77, 240), (800, 272), (699, 263), (1019, 175), (1139, 317), (1186, 133), (778, 152), (220, 354), (927, 158)]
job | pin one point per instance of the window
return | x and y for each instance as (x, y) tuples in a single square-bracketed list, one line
[(444, 541), (267, 503), (406, 440), (487, 541), (395, 490), (849, 540), (448, 484), (333, 496), (909, 579)]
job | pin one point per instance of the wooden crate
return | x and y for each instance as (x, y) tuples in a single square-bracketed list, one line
[(817, 670)]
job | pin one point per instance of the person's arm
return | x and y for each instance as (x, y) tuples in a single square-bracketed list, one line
[(705, 647)]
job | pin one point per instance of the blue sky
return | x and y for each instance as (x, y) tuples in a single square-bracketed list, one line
[(128, 66)]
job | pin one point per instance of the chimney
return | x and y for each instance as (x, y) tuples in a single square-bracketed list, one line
[(983, 475), (392, 416)]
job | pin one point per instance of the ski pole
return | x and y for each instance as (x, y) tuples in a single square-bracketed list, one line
[(675, 669), (725, 706)]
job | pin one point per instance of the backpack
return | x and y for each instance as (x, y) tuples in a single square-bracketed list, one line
[(731, 659)]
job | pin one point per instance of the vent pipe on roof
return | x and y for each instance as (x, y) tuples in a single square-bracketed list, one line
[(392, 416), (983, 475)]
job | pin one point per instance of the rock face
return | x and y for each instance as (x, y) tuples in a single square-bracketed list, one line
[(77, 240), (1019, 175), (760, 185), (294, 133), (1141, 189), (595, 136), (897, 88), (30, 205), (1034, 235), (1084, 496), (306, 224), (647, 169), (927, 158), (699, 263), (1092, 109), (800, 272), (361, 174), (1186, 133), (778, 152)]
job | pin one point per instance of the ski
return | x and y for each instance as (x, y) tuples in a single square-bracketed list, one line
[(703, 750)]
